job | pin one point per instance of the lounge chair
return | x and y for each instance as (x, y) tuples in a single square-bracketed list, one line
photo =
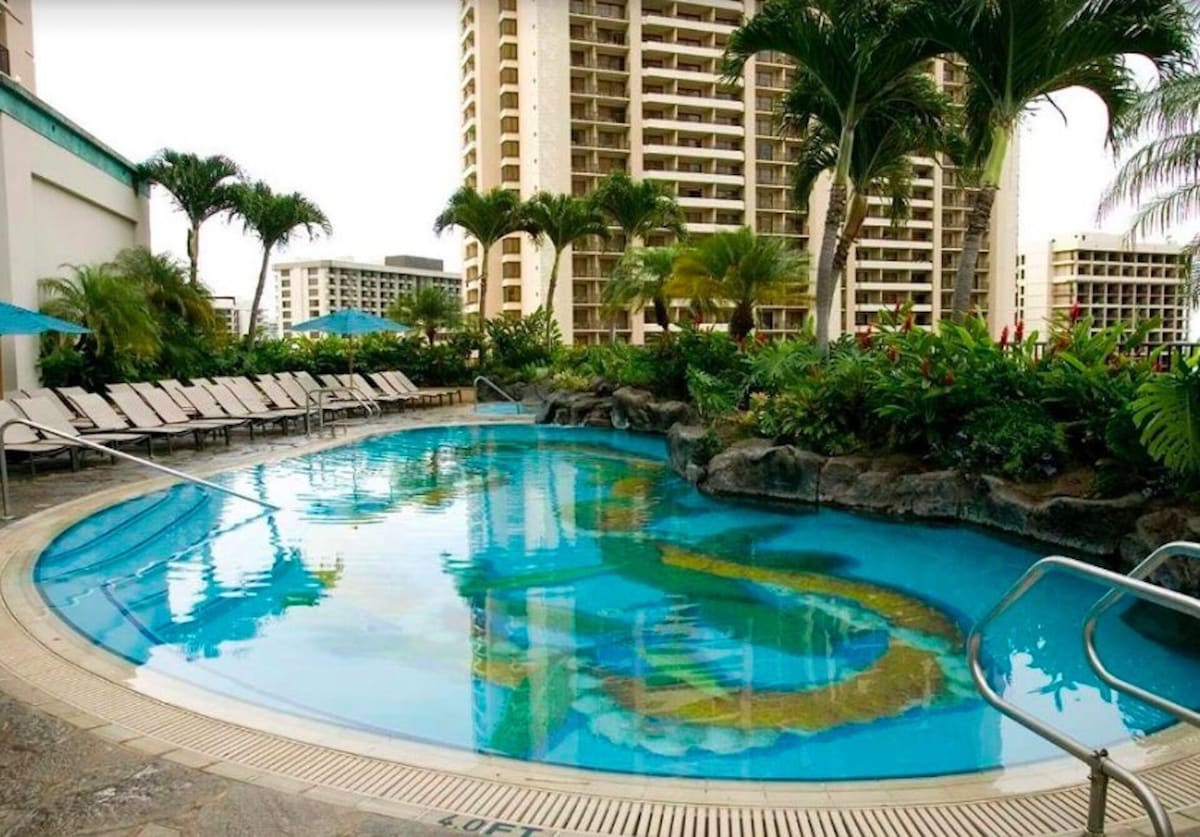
[(19, 438), (384, 385), (175, 389), (276, 394), (340, 401), (59, 404), (144, 420), (231, 404), (383, 396), (249, 394), (403, 384), (166, 409), (43, 411)]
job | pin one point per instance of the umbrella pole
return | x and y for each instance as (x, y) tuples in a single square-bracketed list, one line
[(351, 353)]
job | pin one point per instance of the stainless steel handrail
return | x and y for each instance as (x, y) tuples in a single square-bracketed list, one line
[(1142, 571), (107, 451), (1101, 767), (370, 405), (494, 386)]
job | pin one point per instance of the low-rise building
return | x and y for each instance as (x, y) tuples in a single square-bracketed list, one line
[(307, 289), (65, 197), (1111, 278), (232, 313)]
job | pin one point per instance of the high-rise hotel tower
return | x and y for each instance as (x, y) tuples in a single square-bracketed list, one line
[(558, 93)]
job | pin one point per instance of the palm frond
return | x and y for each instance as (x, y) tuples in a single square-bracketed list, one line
[(1167, 410)]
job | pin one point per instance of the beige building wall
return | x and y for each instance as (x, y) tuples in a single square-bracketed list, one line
[(16, 42), (1112, 279), (65, 198), (559, 93)]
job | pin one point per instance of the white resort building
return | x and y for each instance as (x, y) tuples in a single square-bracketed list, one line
[(307, 289), (1112, 279), (557, 94)]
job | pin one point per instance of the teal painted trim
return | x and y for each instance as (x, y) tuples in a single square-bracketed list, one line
[(39, 117)]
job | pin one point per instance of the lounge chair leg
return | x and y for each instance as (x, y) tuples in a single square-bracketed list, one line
[(32, 466), (74, 456), (149, 447), (225, 430)]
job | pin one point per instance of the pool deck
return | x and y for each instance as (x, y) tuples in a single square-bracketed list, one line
[(89, 744)]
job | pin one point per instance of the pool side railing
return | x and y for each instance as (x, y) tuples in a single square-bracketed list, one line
[(78, 441), (1102, 768), (495, 388), (315, 398)]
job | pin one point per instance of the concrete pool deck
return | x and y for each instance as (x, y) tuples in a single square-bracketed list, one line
[(210, 757)]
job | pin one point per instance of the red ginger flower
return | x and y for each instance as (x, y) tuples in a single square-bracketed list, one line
[(908, 323), (949, 379), (925, 367), (864, 338), (1004, 338), (892, 354), (1076, 312), (1019, 333)]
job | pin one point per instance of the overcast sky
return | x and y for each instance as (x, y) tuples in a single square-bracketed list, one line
[(355, 103)]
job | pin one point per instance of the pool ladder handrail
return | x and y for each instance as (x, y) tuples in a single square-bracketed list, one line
[(1101, 767), (81, 441), (495, 387)]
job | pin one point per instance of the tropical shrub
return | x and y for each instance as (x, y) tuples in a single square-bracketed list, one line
[(1017, 439), (515, 344), (1167, 410)]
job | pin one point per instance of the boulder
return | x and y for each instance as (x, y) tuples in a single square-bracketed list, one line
[(759, 468), (1095, 527), (1160, 527), (575, 408), (636, 409), (682, 441), (894, 485)]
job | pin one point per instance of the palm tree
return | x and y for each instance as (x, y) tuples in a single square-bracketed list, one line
[(429, 309), (856, 54), (742, 270), (274, 219), (487, 218), (200, 187), (114, 309), (918, 122), (1160, 177), (1019, 52), (641, 280), (639, 208), (562, 220), (167, 286)]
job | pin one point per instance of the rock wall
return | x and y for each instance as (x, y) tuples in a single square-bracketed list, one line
[(1120, 531)]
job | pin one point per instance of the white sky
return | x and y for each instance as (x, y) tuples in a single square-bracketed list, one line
[(355, 103)]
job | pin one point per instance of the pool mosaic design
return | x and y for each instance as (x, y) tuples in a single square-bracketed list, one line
[(559, 595)]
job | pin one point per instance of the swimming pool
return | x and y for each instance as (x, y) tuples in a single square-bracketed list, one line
[(559, 595)]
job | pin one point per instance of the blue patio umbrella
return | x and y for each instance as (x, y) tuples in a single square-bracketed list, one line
[(17, 320), (350, 323)]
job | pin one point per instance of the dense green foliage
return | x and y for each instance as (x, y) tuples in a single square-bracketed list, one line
[(1022, 408)]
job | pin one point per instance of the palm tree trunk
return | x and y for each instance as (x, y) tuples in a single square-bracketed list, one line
[(193, 247), (483, 280), (550, 296), (662, 315), (741, 322), (431, 335), (850, 232), (258, 292), (826, 275), (978, 222)]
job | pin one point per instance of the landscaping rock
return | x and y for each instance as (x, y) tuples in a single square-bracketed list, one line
[(682, 440), (894, 485), (636, 409), (759, 468), (1092, 526), (576, 408), (1152, 531)]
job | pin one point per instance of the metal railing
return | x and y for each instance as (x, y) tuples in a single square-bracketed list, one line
[(316, 397), (1101, 767), (79, 441), (495, 388)]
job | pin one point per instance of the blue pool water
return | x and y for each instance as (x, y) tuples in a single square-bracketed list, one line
[(499, 408), (559, 595)]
